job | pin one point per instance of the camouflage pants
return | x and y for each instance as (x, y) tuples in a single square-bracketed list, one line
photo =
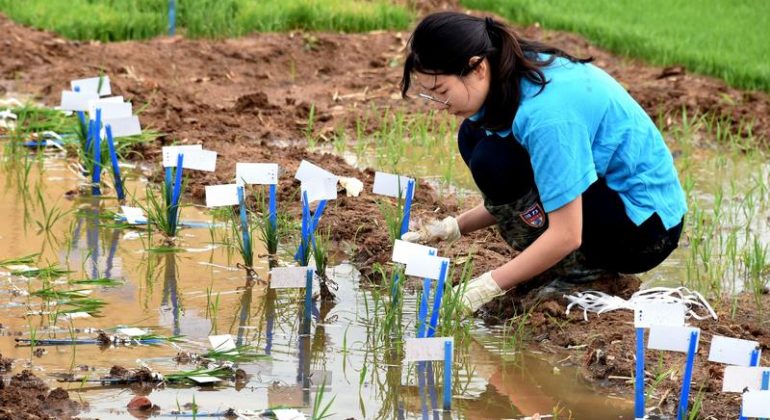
[(523, 221)]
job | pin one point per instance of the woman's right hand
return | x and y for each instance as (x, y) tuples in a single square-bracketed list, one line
[(434, 230)]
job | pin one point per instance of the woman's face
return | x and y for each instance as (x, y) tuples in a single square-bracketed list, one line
[(460, 96)]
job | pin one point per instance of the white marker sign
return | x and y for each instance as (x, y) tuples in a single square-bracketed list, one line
[(194, 158), (123, 127), (134, 215), (425, 266), (403, 251), (672, 338), (132, 332), (288, 277), (319, 189), (110, 109), (222, 343), (738, 378), (222, 195), (731, 351), (256, 173), (307, 172), (98, 85), (76, 101), (388, 184), (756, 404), (423, 349), (648, 314)]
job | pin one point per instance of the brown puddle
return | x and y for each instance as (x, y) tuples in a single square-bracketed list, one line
[(167, 292)]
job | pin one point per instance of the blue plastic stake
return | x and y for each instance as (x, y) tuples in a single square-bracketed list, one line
[(96, 173), (754, 358), (303, 233), (685, 395), (407, 206), (115, 167), (765, 381), (753, 362), (173, 209), (437, 299), (273, 215), (448, 375), (167, 180), (421, 366), (171, 17), (422, 315), (308, 299), (89, 137), (244, 220), (639, 384)]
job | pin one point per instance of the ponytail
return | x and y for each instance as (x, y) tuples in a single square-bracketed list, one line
[(443, 43)]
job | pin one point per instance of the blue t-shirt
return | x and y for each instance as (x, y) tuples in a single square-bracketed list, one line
[(584, 125)]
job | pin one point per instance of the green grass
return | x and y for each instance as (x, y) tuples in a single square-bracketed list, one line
[(726, 39), (116, 20)]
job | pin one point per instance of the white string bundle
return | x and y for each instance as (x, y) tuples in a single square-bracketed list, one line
[(600, 302)]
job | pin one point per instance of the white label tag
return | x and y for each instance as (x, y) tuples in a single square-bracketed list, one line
[(222, 343), (648, 314), (123, 127), (672, 338), (738, 378), (388, 184), (170, 153), (731, 351), (92, 84), (288, 413), (423, 349), (110, 110), (221, 195), (132, 332), (76, 101), (288, 277), (204, 379), (307, 172), (319, 189), (200, 160), (256, 173), (134, 215), (426, 266), (321, 377), (756, 404), (194, 158), (403, 250)]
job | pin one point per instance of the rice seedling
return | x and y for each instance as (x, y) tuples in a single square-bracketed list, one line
[(50, 272), (51, 215), (105, 282), (221, 372), (393, 215), (162, 210), (241, 354), (321, 259), (309, 136), (27, 259), (321, 411)]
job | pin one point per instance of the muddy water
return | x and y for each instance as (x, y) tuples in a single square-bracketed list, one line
[(169, 293)]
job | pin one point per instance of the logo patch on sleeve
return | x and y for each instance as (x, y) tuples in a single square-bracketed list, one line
[(534, 216)]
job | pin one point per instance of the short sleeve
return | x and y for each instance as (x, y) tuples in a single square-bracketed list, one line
[(562, 162)]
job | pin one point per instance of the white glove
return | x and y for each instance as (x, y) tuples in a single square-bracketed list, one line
[(434, 231), (479, 291)]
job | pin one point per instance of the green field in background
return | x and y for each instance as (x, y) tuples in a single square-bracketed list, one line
[(117, 20), (729, 39)]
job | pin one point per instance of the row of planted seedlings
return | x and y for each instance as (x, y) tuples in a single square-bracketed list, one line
[(727, 193), (92, 141)]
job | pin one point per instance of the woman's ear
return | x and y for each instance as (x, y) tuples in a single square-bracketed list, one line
[(480, 66)]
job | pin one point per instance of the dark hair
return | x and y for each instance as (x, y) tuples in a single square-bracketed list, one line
[(443, 43)]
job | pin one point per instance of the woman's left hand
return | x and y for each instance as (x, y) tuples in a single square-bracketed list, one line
[(478, 292)]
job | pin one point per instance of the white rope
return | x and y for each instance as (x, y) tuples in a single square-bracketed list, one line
[(600, 302)]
